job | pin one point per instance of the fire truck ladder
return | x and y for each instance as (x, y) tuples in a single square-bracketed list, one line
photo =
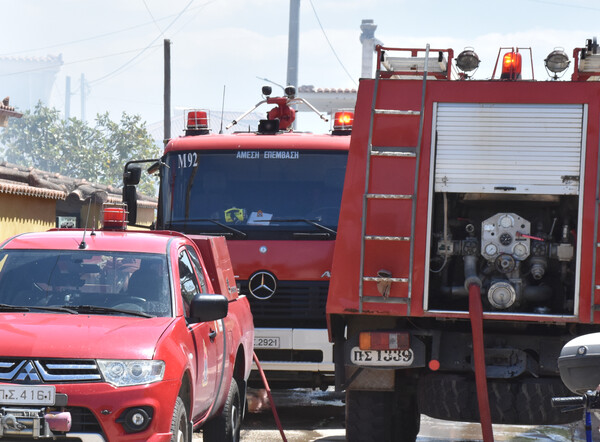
[(404, 152)]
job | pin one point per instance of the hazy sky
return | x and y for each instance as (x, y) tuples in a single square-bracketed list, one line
[(118, 45)]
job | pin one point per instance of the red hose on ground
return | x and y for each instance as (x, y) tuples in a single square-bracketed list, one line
[(275, 415), (476, 314)]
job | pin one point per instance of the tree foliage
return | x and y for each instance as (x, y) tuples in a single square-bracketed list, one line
[(98, 152)]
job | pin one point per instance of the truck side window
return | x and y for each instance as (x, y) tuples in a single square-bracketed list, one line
[(187, 279), (197, 267)]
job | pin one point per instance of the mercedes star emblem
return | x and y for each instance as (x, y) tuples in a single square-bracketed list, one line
[(262, 285)]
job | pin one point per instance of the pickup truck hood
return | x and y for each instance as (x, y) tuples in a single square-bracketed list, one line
[(79, 336)]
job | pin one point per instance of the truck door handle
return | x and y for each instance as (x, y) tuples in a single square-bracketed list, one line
[(212, 335)]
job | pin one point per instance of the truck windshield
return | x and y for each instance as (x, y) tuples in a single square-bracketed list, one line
[(252, 194), (109, 282)]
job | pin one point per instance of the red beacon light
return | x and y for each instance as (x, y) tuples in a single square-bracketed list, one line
[(114, 218), (197, 122), (342, 123), (511, 66)]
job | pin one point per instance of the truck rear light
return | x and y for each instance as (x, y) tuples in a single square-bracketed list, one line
[(342, 122), (384, 341), (511, 66), (114, 218)]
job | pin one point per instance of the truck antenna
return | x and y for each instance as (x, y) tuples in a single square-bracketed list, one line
[(82, 244), (222, 110)]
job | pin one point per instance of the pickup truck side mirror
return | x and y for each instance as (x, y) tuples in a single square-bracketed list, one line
[(208, 307)]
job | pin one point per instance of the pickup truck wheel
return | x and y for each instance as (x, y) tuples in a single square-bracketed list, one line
[(227, 426), (179, 425)]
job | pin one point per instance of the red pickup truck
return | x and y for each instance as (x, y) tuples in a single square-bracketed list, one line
[(121, 336)]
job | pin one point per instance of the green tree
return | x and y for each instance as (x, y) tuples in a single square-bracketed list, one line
[(98, 152)]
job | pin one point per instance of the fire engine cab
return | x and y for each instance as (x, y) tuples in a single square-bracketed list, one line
[(115, 335), (275, 195), (467, 244)]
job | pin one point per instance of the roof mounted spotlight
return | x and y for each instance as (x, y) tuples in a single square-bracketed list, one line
[(467, 60), (267, 90), (556, 62), (290, 91)]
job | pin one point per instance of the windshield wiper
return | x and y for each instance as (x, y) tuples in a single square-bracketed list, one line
[(94, 309), (307, 221), (218, 223), (13, 308), (52, 308)]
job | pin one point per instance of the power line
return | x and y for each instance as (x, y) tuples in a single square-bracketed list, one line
[(123, 66), (83, 60), (152, 17), (329, 43), (98, 36)]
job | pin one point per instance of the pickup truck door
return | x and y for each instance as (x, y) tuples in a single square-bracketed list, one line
[(207, 337)]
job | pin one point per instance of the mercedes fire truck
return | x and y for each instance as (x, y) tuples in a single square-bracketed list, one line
[(467, 248), (275, 195)]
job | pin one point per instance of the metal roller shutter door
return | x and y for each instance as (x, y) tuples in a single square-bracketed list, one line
[(508, 148)]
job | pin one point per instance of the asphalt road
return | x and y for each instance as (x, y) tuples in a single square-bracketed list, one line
[(308, 416)]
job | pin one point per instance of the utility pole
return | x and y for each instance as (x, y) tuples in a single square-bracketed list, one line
[(68, 100), (293, 39), (82, 97), (293, 43), (167, 92)]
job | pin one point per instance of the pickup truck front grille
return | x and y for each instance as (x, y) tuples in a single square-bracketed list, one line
[(295, 304), (29, 371)]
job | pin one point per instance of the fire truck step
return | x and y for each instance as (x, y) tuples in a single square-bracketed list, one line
[(396, 112), (383, 279), (381, 299), (388, 196), (387, 238), (393, 152)]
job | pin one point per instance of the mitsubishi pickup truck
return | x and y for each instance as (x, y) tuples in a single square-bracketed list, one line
[(115, 335)]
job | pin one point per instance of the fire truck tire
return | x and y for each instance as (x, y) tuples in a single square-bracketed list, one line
[(226, 427), (179, 424), (527, 402), (376, 416)]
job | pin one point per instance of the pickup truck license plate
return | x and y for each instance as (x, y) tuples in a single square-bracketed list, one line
[(27, 394), (266, 342), (403, 358)]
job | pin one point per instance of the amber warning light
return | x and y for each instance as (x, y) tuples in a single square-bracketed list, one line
[(342, 122), (511, 66), (197, 122), (114, 218)]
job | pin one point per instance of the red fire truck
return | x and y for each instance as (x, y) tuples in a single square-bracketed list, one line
[(467, 245), (275, 195)]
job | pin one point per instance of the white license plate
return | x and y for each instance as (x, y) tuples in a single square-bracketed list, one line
[(266, 342), (27, 394), (403, 358)]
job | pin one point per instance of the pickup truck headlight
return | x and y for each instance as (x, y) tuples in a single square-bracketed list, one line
[(123, 373)]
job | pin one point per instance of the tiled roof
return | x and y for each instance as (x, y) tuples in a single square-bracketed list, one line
[(326, 90), (20, 180), (25, 189)]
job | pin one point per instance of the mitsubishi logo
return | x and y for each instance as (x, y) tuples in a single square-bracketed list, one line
[(27, 374), (262, 285)]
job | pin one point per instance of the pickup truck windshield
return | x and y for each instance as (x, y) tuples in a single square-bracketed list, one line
[(250, 194), (110, 283)]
